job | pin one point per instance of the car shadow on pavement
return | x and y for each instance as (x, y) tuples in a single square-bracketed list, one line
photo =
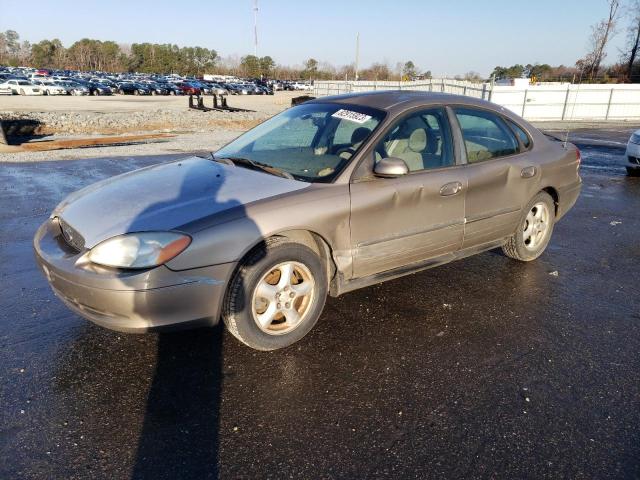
[(179, 437), (180, 432)]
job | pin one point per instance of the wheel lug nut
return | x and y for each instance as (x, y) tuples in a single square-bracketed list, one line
[(287, 305), (291, 295), (279, 305)]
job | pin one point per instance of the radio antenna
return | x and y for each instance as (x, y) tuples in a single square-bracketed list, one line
[(255, 27), (573, 107)]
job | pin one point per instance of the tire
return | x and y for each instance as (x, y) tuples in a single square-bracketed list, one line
[(172, 92), (524, 245), (240, 309), (633, 172), (46, 92), (96, 93)]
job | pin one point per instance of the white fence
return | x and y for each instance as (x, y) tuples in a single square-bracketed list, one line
[(331, 87), (537, 102)]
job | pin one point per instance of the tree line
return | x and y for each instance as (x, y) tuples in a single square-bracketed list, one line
[(109, 56)]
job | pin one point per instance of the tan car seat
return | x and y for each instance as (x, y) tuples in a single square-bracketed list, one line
[(411, 150)]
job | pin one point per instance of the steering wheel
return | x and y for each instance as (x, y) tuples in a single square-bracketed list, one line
[(349, 150)]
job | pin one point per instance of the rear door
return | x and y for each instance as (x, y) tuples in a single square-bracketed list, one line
[(498, 175), (402, 221)]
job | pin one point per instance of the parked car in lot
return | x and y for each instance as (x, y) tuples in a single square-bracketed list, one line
[(329, 196), (23, 87), (74, 88), (633, 154), (131, 88), (188, 89), (217, 89), (97, 88), (171, 88), (50, 88)]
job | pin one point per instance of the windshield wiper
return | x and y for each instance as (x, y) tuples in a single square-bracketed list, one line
[(255, 165)]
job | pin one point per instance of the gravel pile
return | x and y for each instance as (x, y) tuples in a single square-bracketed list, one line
[(73, 123)]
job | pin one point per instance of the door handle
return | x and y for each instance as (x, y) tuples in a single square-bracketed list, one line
[(451, 188), (528, 172)]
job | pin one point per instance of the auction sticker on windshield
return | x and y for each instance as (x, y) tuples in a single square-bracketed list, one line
[(351, 116)]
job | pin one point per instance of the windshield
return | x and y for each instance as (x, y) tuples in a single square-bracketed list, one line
[(313, 141)]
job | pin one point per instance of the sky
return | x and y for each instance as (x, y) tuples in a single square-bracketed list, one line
[(447, 37)]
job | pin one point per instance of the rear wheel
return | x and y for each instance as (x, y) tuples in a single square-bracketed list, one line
[(534, 230), (276, 296)]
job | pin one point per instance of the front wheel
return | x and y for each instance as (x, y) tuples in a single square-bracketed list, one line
[(534, 230), (276, 296)]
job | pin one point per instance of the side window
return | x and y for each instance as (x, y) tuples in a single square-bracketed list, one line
[(422, 140), (485, 135), (524, 138)]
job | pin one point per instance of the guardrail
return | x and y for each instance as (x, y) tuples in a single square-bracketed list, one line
[(537, 102)]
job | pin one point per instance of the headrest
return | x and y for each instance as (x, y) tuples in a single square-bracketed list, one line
[(359, 135), (418, 140)]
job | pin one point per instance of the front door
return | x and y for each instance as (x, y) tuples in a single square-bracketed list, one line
[(409, 219)]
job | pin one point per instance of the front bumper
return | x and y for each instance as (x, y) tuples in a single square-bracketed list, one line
[(633, 157), (133, 300)]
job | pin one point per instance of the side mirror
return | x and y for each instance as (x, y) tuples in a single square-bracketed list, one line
[(390, 167)]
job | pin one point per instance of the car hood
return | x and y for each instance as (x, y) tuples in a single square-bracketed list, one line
[(165, 197)]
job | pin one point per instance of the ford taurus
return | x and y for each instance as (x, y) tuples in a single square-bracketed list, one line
[(329, 196)]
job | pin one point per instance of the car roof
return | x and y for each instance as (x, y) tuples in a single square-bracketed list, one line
[(394, 100)]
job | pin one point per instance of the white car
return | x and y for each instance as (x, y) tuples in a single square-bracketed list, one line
[(23, 87), (50, 88), (633, 154)]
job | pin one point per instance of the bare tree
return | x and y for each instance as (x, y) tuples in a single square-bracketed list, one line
[(601, 33), (633, 33)]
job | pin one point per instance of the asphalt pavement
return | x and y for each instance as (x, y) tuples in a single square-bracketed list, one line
[(483, 368)]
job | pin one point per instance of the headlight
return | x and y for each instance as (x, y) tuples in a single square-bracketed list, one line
[(139, 250), (635, 138)]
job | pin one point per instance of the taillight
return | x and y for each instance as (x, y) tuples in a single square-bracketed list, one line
[(578, 157)]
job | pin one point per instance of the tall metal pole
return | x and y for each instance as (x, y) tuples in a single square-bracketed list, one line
[(357, 53), (255, 27)]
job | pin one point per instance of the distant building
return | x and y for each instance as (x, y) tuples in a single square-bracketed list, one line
[(513, 82)]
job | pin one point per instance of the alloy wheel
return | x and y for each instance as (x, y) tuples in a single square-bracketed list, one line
[(536, 226), (283, 297)]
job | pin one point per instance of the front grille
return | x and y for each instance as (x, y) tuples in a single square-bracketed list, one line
[(71, 235)]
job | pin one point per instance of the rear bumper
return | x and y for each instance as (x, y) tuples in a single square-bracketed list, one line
[(567, 198), (130, 301)]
